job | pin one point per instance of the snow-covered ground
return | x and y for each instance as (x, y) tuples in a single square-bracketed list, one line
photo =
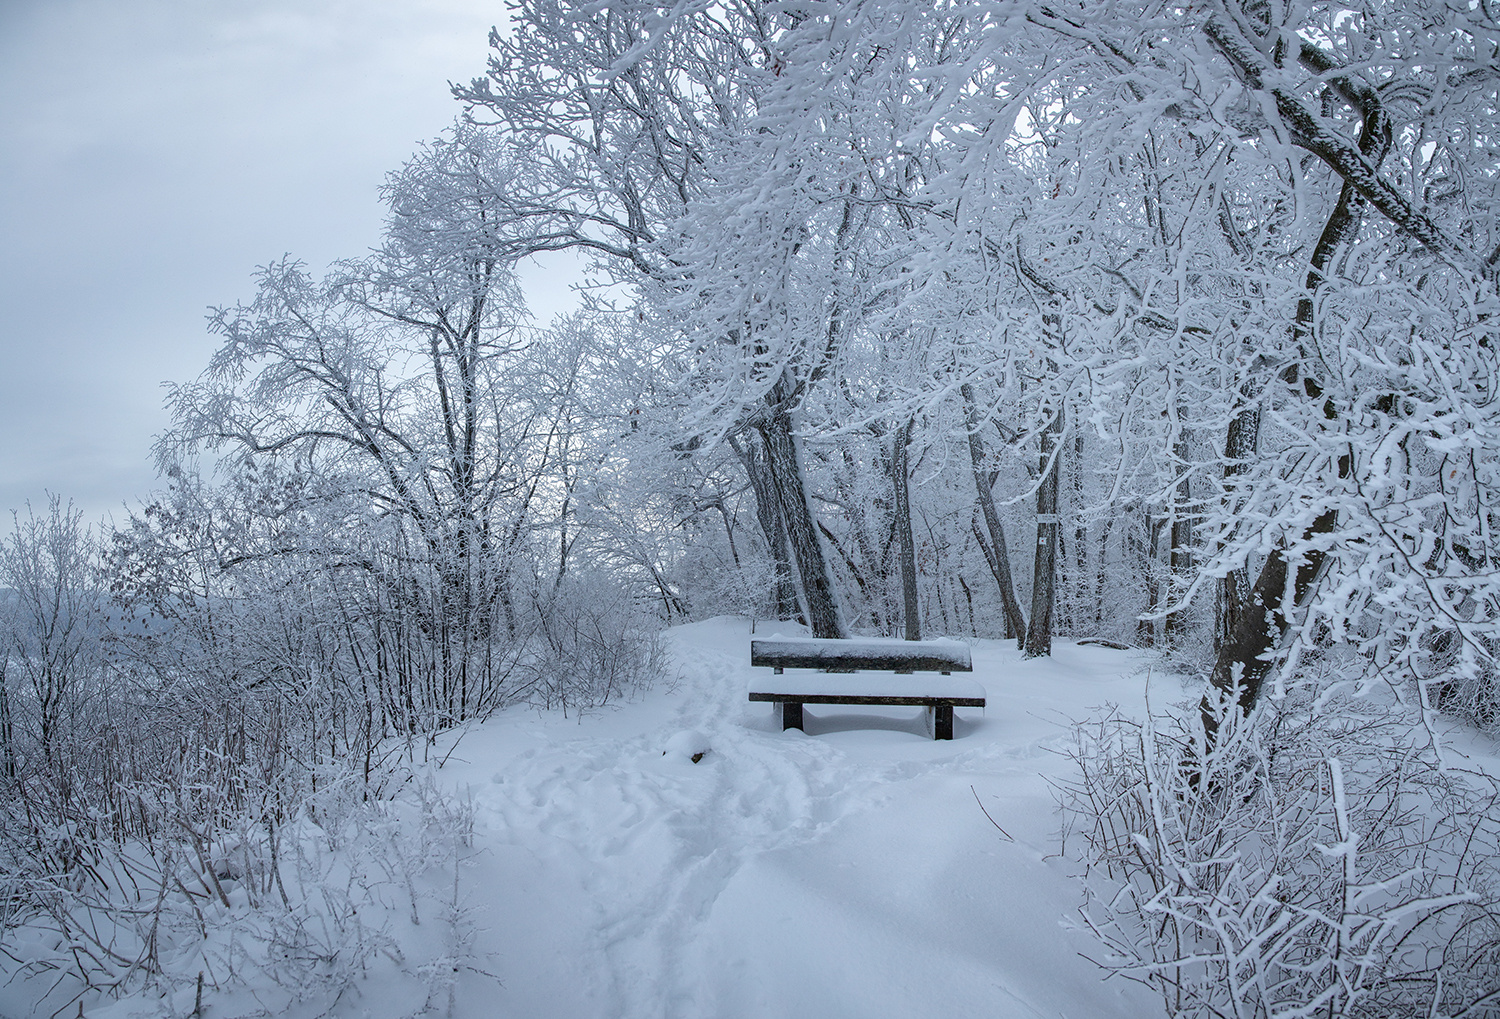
[(845, 872), (848, 871)]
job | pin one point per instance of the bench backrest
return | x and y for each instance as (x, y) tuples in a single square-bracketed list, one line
[(862, 653)]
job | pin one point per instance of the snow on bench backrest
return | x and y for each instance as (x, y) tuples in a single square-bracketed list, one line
[(883, 653)]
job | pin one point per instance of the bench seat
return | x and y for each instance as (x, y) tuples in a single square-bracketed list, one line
[(848, 687)]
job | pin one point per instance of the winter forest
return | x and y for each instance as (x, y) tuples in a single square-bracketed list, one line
[(1169, 329)]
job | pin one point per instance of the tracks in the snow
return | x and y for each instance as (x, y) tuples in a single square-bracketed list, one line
[(657, 838)]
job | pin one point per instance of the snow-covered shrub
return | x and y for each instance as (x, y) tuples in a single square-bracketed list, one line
[(1317, 863), (713, 585), (301, 909), (361, 881), (590, 644), (1469, 689)]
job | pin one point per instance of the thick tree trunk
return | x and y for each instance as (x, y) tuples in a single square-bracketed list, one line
[(1044, 568), (1244, 661), (995, 551), (900, 479), (772, 526), (812, 567), (787, 606), (1231, 601)]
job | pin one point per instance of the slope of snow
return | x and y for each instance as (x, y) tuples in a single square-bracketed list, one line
[(845, 872)]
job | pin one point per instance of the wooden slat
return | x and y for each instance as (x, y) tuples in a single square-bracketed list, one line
[(809, 683), (899, 701)]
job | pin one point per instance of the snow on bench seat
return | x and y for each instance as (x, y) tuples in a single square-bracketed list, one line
[(843, 682)]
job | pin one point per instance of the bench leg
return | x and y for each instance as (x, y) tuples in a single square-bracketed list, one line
[(942, 722), (791, 715)]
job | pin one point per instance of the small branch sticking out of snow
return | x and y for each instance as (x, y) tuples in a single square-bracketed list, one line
[(1001, 830)]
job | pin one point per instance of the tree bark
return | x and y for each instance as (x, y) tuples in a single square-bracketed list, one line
[(995, 551), (1078, 590), (1145, 626), (772, 526), (1180, 544), (872, 570), (1234, 587), (900, 479), (7, 736), (785, 468), (1044, 566), (1101, 577), (1244, 663), (787, 606)]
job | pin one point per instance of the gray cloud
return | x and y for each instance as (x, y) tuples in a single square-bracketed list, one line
[(151, 155)]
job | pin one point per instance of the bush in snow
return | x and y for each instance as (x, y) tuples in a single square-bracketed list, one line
[(1317, 862), (589, 645), (303, 909)]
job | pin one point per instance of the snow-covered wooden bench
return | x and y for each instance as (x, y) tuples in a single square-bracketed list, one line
[(839, 682)]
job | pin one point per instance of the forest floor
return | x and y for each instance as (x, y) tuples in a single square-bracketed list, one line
[(848, 871)]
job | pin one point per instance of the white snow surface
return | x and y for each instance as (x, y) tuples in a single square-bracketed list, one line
[(845, 872), (869, 647), (848, 871)]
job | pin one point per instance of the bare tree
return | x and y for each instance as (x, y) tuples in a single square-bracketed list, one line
[(49, 567)]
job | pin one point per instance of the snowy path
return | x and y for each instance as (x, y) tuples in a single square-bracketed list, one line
[(844, 873)]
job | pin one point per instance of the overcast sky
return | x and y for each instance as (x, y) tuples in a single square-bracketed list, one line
[(152, 153)]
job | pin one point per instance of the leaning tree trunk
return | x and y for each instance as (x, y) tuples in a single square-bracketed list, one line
[(772, 525), (1357, 164), (1244, 660), (995, 551), (1044, 567), (785, 468), (900, 475), (787, 606)]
